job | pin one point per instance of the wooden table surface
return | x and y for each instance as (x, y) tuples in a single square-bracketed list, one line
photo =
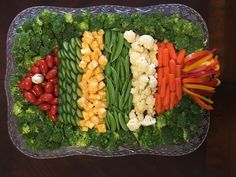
[(215, 158)]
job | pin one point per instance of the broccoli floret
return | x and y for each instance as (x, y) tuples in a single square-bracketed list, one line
[(83, 140), (17, 108), (68, 18), (25, 129), (83, 26)]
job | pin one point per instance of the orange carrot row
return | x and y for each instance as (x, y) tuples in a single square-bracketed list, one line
[(169, 77)]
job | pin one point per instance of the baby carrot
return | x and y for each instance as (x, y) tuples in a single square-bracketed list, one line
[(160, 75), (161, 44), (165, 57), (180, 57), (171, 50), (178, 87), (172, 66), (178, 71), (166, 72), (160, 56), (172, 100), (172, 82), (158, 103), (167, 97), (163, 87)]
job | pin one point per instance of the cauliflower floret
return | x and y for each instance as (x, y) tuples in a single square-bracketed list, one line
[(134, 91), (143, 80), (136, 99), (148, 120), (132, 114), (142, 65), (147, 41), (133, 124), (134, 56), (140, 117), (150, 111), (147, 91), (140, 106), (151, 70), (150, 101), (152, 82), (152, 56), (137, 47), (130, 36)]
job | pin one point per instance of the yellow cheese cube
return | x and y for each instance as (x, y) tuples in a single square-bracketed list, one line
[(99, 77), (95, 120), (95, 34), (98, 51), (101, 85), (88, 106), (101, 128), (82, 102), (89, 124), (98, 70), (85, 115), (92, 85), (100, 40), (86, 58), (83, 64), (82, 123), (102, 94), (94, 97), (94, 56), (92, 65), (94, 45), (86, 51), (83, 84), (101, 113), (102, 60), (85, 45)]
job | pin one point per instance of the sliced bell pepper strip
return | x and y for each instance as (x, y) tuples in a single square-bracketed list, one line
[(200, 87), (198, 63), (195, 94), (202, 92), (202, 103), (195, 80), (196, 55)]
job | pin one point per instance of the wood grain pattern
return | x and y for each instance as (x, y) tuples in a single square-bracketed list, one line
[(214, 158)]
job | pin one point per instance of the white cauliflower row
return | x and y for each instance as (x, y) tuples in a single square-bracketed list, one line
[(144, 83)]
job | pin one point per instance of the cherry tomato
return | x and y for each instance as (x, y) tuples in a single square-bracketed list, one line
[(39, 62), (46, 97), (43, 84), (54, 80), (56, 61), (29, 97), (54, 101), (44, 106), (51, 74), (55, 67), (53, 110), (55, 92), (48, 87), (28, 83), (21, 85), (28, 75), (38, 101), (43, 67), (38, 90), (35, 70), (55, 50), (53, 118), (49, 60)]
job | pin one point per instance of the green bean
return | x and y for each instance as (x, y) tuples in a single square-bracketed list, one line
[(108, 41), (114, 76), (113, 39), (107, 122), (111, 90), (129, 103), (124, 88), (112, 121), (119, 47), (120, 102), (122, 122), (126, 119), (127, 44), (108, 70), (127, 94), (127, 65), (117, 120)]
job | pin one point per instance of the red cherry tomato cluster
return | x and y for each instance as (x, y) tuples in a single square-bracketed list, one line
[(45, 94)]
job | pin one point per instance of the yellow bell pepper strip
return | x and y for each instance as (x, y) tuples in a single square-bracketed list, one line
[(197, 95), (202, 103), (197, 64), (200, 87)]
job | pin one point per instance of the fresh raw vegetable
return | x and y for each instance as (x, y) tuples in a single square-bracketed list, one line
[(169, 77), (69, 74), (144, 82), (118, 79), (39, 90), (47, 31)]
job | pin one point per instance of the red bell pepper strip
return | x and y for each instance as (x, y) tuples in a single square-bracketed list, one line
[(202, 103)]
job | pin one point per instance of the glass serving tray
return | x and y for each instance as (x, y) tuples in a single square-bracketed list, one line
[(168, 150)]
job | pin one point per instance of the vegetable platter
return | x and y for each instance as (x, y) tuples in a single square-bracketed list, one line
[(109, 81)]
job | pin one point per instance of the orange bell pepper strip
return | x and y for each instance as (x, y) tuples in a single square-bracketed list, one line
[(197, 95), (197, 64), (195, 80), (202, 103)]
